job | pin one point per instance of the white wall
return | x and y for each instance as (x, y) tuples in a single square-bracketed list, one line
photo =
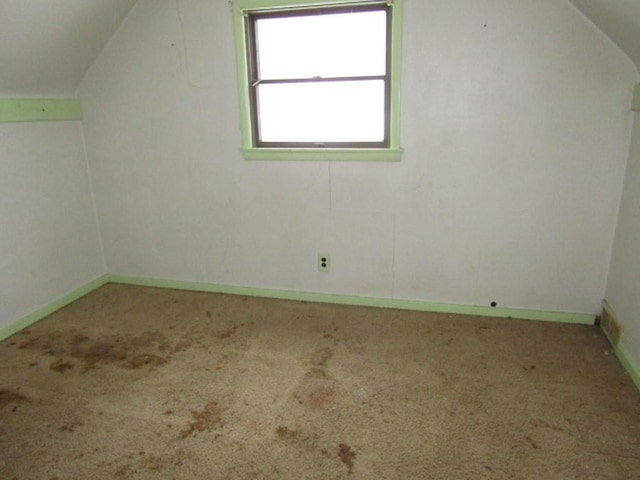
[(623, 289), (516, 128), (49, 242)]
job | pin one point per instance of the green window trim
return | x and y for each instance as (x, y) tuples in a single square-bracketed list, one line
[(392, 153), (324, 154)]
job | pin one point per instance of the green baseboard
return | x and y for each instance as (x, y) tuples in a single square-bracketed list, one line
[(561, 317), (51, 307), (629, 365), (485, 311)]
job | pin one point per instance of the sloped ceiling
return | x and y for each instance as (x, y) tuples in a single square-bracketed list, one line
[(46, 46), (619, 19)]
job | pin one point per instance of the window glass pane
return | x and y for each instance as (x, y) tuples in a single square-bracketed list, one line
[(326, 45), (322, 112)]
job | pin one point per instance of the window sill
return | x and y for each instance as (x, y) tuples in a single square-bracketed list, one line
[(324, 154)]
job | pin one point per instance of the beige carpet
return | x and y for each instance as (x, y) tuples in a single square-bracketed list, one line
[(141, 383)]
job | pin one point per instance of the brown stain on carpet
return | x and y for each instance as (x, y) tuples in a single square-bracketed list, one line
[(79, 339), (125, 471), (287, 433), (182, 346), (150, 349), (320, 397), (532, 442), (544, 425), (317, 374), (300, 440), (9, 395), (70, 427), (154, 463), (228, 332), (321, 356), (61, 366), (204, 420), (316, 390), (144, 359), (346, 455)]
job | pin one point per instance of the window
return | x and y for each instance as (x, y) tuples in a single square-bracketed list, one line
[(320, 80), (315, 82)]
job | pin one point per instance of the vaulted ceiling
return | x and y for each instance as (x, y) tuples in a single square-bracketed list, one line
[(619, 19), (46, 46)]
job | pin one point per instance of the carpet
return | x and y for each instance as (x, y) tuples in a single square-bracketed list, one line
[(144, 383)]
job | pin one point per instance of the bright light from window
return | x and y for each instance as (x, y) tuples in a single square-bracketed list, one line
[(348, 47), (322, 112), (330, 45)]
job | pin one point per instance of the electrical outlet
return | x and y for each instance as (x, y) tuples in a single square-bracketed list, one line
[(324, 262)]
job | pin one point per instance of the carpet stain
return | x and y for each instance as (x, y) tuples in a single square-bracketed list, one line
[(130, 352), (321, 356), (316, 390), (320, 397), (182, 346), (145, 359), (125, 471), (532, 442), (346, 455), (542, 424), (316, 373), (79, 339), (287, 433), (154, 463), (61, 366), (204, 420), (9, 395), (228, 332), (70, 427)]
